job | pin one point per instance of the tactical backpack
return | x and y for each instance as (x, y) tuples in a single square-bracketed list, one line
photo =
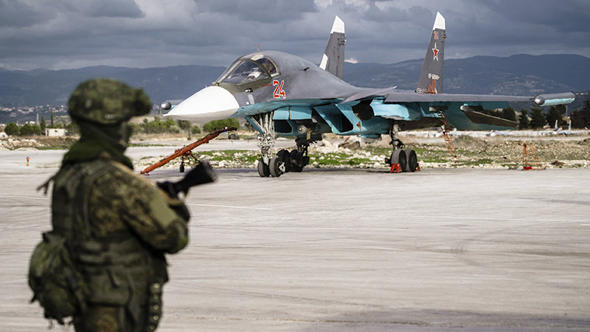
[(56, 283), (54, 278)]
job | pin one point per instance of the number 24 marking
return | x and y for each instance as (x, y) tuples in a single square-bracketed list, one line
[(279, 92)]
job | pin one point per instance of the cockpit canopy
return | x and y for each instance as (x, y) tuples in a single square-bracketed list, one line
[(249, 68)]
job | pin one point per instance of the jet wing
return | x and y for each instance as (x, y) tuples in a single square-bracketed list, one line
[(369, 94), (392, 95), (459, 108), (395, 96)]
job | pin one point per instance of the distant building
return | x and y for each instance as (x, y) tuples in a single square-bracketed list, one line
[(55, 132)]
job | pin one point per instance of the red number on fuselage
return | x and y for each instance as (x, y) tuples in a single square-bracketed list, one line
[(278, 92)]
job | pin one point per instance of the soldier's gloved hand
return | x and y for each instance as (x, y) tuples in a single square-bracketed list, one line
[(168, 188), (178, 206), (182, 211)]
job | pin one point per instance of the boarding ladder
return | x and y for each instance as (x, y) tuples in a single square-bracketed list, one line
[(448, 137), (527, 164)]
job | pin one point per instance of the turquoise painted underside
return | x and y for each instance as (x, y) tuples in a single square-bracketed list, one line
[(269, 106), (342, 120), (393, 111), (292, 113)]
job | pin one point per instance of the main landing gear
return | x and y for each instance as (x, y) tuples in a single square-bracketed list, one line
[(286, 161), (401, 160)]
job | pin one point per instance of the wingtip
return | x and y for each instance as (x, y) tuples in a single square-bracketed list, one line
[(338, 25), (439, 22)]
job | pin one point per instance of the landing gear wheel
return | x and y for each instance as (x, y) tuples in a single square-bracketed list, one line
[(305, 161), (412, 161), (276, 167), (398, 156), (297, 161), (283, 155), (263, 169)]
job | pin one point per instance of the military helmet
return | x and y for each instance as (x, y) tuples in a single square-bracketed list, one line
[(107, 101)]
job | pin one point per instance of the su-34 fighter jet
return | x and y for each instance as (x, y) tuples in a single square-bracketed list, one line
[(281, 94)]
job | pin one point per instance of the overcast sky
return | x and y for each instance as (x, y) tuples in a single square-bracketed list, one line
[(59, 34)]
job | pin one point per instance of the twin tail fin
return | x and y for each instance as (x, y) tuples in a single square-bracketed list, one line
[(431, 77), (333, 58)]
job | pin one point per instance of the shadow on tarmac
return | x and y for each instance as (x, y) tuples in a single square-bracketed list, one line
[(446, 320)]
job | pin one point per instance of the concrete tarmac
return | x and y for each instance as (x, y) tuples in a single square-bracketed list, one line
[(349, 250)]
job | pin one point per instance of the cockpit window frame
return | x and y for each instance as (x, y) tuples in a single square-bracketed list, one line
[(274, 64), (228, 70), (242, 60)]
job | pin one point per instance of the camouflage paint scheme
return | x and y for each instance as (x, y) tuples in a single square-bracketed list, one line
[(132, 223), (280, 94), (118, 225), (301, 95)]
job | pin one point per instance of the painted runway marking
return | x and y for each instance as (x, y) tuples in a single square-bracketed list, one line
[(233, 207)]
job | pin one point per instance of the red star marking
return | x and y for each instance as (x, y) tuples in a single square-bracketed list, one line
[(435, 52)]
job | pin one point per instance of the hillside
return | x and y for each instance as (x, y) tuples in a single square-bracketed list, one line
[(514, 75)]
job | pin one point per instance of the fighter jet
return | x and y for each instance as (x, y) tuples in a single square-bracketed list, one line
[(281, 94)]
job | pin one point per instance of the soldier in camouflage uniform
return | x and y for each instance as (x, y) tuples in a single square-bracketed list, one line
[(121, 223)]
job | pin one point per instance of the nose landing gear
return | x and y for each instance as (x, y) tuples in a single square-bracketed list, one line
[(293, 161), (401, 160)]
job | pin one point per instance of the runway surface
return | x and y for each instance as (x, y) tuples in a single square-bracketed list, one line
[(349, 250)]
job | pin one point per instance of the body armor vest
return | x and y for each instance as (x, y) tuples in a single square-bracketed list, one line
[(118, 268)]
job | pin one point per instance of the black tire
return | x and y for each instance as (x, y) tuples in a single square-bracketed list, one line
[(295, 161), (263, 169), (283, 155), (412, 159), (398, 156), (305, 161), (276, 167)]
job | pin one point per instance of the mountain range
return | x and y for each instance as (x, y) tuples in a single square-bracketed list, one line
[(514, 75)]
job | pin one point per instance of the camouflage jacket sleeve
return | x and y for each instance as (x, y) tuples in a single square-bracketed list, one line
[(122, 198)]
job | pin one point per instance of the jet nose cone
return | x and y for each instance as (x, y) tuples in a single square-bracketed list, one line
[(211, 103)]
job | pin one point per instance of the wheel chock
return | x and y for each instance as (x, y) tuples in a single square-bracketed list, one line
[(395, 168), (418, 168)]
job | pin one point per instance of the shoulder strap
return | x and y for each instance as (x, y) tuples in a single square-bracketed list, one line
[(45, 185), (73, 184), (90, 173)]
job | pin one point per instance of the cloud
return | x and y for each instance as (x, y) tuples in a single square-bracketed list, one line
[(144, 33), (105, 8), (19, 14), (258, 11), (563, 16)]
